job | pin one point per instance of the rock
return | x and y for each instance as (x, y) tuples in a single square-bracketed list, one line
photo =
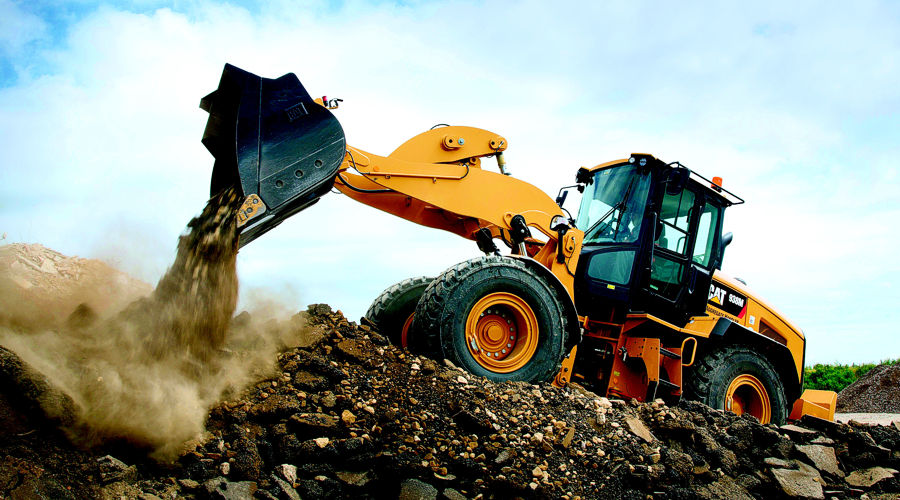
[(866, 478), (798, 433), (82, 317), (247, 463), (287, 472), (264, 495), (472, 423), (777, 462), (823, 441), (275, 408), (224, 468), (378, 339), (637, 427), (798, 483), (353, 350), (413, 489), (284, 490), (42, 399), (819, 424), (428, 367), (329, 401), (567, 441), (822, 457), (503, 457), (309, 382), (318, 309), (348, 417), (34, 488), (112, 469), (188, 484), (353, 478), (313, 424), (451, 494), (220, 488), (724, 488)]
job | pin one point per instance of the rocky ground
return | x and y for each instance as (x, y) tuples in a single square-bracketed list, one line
[(347, 415)]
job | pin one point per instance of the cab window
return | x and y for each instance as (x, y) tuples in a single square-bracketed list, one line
[(707, 232), (675, 218)]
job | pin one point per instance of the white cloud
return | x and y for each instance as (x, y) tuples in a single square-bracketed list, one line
[(791, 104)]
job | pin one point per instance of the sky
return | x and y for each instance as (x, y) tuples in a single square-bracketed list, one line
[(795, 104)]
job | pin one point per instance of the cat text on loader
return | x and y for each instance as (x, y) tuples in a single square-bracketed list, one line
[(625, 297)]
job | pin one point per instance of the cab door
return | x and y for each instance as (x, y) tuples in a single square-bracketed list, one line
[(683, 255)]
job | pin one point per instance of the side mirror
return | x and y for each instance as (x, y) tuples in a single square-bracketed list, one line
[(727, 239), (676, 180), (724, 242), (561, 197)]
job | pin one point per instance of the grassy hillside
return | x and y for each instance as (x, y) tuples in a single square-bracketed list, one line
[(836, 377)]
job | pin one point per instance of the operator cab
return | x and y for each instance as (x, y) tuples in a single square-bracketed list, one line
[(652, 239)]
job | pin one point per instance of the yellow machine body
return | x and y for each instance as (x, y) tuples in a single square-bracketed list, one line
[(285, 150)]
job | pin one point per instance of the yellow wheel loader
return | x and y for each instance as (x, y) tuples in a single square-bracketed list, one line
[(625, 296)]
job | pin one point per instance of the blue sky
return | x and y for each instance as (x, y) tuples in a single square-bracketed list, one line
[(796, 106)]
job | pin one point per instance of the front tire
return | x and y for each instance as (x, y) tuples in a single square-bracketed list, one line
[(494, 318), (392, 312), (740, 380)]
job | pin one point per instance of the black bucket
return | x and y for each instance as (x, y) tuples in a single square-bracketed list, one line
[(270, 139)]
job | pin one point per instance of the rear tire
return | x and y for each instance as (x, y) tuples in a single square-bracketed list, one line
[(392, 311), (740, 380), (494, 318)]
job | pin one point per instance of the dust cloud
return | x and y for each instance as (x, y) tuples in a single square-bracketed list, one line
[(149, 373)]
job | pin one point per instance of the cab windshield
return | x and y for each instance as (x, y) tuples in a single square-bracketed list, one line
[(612, 206)]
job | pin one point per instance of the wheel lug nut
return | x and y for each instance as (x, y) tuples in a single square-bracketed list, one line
[(503, 351), (508, 345)]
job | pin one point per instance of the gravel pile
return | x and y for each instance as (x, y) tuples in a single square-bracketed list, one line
[(878, 391), (348, 415)]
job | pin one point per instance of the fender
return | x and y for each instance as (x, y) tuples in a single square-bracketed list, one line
[(727, 331), (574, 334)]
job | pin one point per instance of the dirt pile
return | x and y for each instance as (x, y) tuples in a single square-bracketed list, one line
[(878, 391), (347, 415), (40, 287), (149, 374)]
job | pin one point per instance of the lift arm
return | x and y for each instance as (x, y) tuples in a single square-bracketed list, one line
[(284, 150)]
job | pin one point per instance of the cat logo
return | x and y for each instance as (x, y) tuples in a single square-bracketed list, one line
[(728, 300)]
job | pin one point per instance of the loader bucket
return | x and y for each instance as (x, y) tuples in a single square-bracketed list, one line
[(273, 143)]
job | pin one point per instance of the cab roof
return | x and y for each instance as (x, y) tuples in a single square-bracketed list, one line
[(710, 187)]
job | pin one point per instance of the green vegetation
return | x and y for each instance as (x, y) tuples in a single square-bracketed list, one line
[(837, 377)]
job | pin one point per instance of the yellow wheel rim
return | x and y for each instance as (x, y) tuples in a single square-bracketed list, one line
[(502, 332), (746, 394), (404, 333)]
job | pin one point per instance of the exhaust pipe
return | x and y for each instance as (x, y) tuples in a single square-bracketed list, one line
[(280, 149)]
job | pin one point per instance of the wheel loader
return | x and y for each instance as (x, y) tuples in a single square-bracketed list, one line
[(625, 297)]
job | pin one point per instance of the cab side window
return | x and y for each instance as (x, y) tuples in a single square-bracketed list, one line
[(707, 231), (675, 217)]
